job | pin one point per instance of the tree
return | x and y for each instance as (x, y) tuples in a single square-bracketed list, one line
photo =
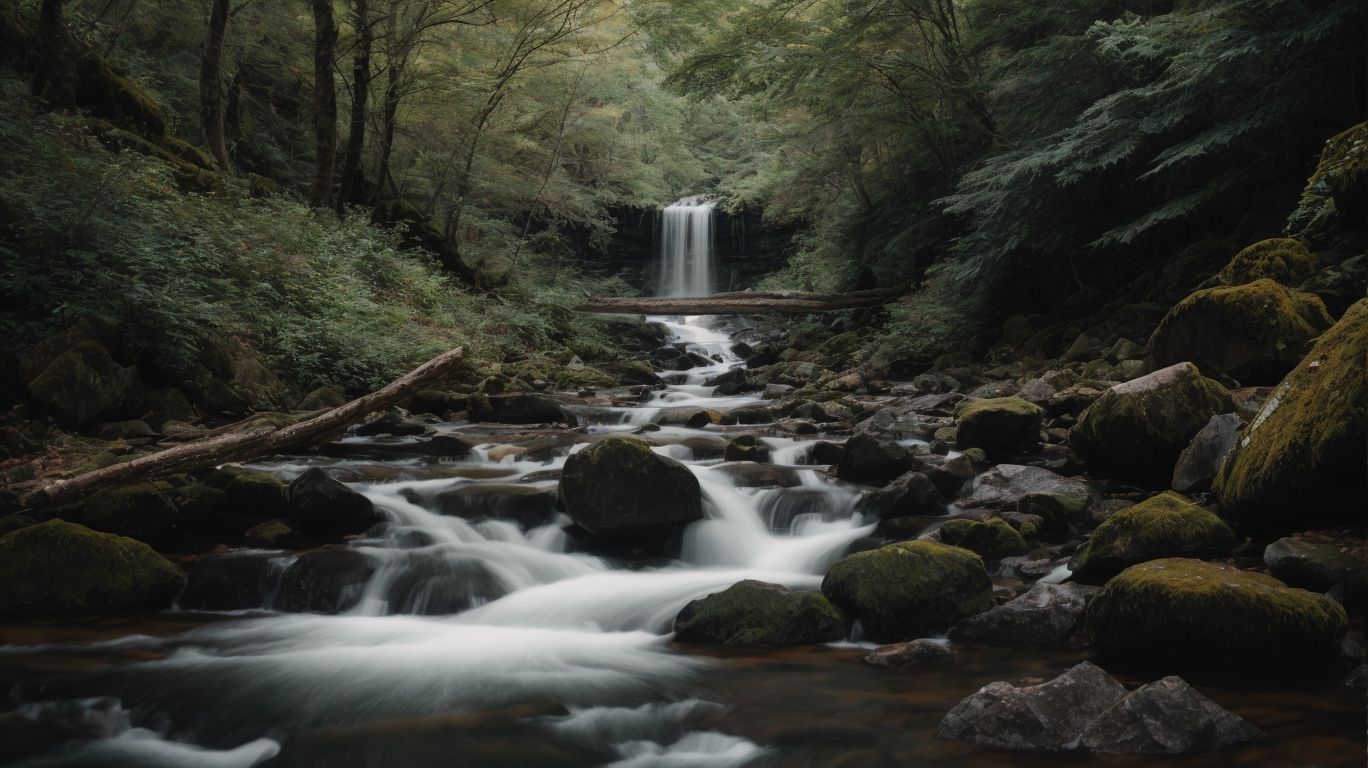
[(325, 104), (210, 85), (351, 180)]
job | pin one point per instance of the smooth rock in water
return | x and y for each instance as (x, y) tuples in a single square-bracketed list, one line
[(140, 511), (1194, 612), (824, 452), (1167, 525), (912, 494), (910, 654), (948, 473), (393, 423), (755, 613), (324, 581), (1321, 560), (437, 584), (729, 383), (991, 539), (1136, 430), (1167, 717), (872, 460), (999, 425), (620, 487), (1299, 464), (1049, 717), (521, 409), (321, 504), (230, 582), (1201, 459), (57, 568), (1046, 613), (527, 505), (909, 589), (746, 448), (1034, 490), (272, 534)]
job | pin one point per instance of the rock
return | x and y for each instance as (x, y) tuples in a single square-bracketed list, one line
[(999, 425), (320, 504), (1320, 560), (272, 534), (163, 405), (230, 582), (255, 494), (1137, 429), (140, 511), (824, 452), (1201, 459), (527, 505), (440, 584), (324, 581), (1167, 525), (179, 431), (1300, 462), (991, 539), (910, 654), (1048, 717), (911, 494), (1282, 259), (909, 588), (1206, 613), (393, 423), (873, 460), (746, 448), (620, 487), (731, 382), (325, 397), (1254, 333), (82, 383), (948, 473), (1033, 490), (1166, 717), (754, 613), (57, 568), (133, 432), (1045, 614)]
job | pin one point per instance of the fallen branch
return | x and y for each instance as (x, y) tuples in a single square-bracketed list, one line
[(253, 437), (744, 303)]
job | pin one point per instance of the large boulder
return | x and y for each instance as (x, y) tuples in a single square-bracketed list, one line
[(140, 511), (324, 581), (1046, 613), (909, 589), (754, 613), (619, 487), (991, 539), (1137, 429), (1255, 332), (1033, 490), (911, 494), (57, 568), (999, 425), (1166, 717), (1278, 258), (81, 381), (1167, 525), (1300, 462), (320, 504), (872, 460), (228, 582), (1199, 613), (1320, 561), (1201, 459), (252, 493)]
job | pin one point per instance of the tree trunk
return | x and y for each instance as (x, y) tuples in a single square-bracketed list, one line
[(252, 438), (356, 136), (325, 104), (57, 78), (210, 84), (744, 303), (388, 119)]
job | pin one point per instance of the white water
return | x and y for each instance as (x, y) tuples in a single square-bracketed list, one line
[(686, 248)]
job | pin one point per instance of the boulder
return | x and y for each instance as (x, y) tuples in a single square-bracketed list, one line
[(1045, 614), (325, 397), (729, 383), (754, 613), (1281, 259), (1166, 717), (139, 511), (436, 583), (746, 448), (82, 383), (991, 539), (1049, 717), (1033, 490), (324, 581), (1137, 429), (254, 494), (1320, 561), (57, 568), (910, 588), (872, 460), (948, 473), (1300, 462), (320, 504), (910, 654), (1167, 525), (163, 405), (911, 494), (393, 423), (272, 534), (1254, 333), (527, 505), (999, 425), (1201, 459), (1201, 613), (229, 582), (620, 487)]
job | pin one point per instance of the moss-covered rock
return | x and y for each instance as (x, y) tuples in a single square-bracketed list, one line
[(909, 589), (1167, 525), (1254, 332), (1280, 258), (620, 487), (754, 613), (83, 383), (990, 538), (141, 511), (254, 494), (326, 396), (1211, 614), (1337, 192), (746, 448), (59, 568), (999, 424), (1137, 429), (1300, 461)]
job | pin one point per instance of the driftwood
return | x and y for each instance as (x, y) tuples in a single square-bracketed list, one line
[(744, 303), (247, 440)]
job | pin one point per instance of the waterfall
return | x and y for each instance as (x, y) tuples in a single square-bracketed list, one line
[(686, 248)]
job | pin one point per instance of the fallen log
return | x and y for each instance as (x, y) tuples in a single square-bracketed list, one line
[(249, 439), (743, 303)]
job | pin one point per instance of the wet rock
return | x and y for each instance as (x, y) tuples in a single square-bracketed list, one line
[(1201, 459), (527, 505), (776, 391), (140, 511), (732, 382), (620, 488), (913, 653), (814, 412), (1166, 717), (1167, 525), (910, 588), (1207, 613), (991, 539), (1136, 430), (755, 613), (436, 446), (320, 504), (324, 581), (948, 473), (911, 494), (1033, 490), (1045, 614), (439, 584), (272, 534), (520, 408), (253, 494), (1049, 717), (1321, 560), (824, 452), (872, 460), (749, 474), (999, 424), (58, 568), (746, 448), (230, 582), (393, 423)]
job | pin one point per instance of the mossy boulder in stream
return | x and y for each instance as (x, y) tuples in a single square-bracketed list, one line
[(999, 424), (57, 568), (1200, 613), (989, 538), (1278, 258), (1167, 525), (909, 589), (755, 613), (1300, 461), (620, 488), (141, 511), (1254, 332), (1137, 429)]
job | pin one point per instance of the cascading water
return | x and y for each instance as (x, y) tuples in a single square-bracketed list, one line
[(686, 239)]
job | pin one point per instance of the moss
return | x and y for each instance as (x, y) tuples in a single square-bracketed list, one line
[(1337, 191), (1300, 461), (991, 539), (746, 448), (1280, 258), (59, 568), (1206, 613), (1254, 332), (1167, 525), (909, 589), (998, 424), (255, 494), (327, 396), (586, 377), (620, 485), (753, 613), (632, 372), (141, 511)]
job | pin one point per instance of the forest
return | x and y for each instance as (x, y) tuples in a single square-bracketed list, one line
[(707, 383)]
